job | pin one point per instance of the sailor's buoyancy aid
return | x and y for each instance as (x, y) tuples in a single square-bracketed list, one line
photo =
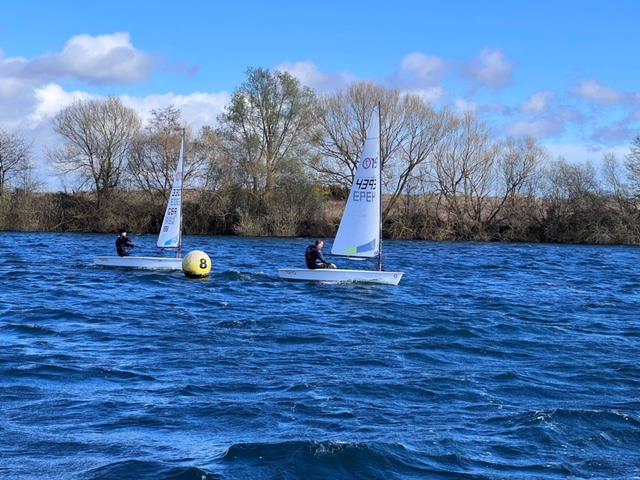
[(310, 256)]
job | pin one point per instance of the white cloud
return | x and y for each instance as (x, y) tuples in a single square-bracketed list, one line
[(596, 92), (552, 124), (496, 108), (100, 59), (105, 59), (491, 69), (10, 86), (580, 153), (635, 114), (463, 106), (198, 109), (310, 75), (614, 133), (429, 95), (50, 99), (418, 74), (538, 102), (421, 70), (544, 127), (31, 89)]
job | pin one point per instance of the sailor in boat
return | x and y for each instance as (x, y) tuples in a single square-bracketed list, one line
[(123, 244), (314, 257)]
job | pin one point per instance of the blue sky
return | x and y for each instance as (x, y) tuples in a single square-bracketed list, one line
[(566, 72)]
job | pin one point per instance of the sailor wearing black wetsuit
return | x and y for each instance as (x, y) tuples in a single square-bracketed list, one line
[(314, 257), (122, 243)]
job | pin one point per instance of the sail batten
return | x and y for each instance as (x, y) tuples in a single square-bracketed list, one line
[(359, 231), (169, 236)]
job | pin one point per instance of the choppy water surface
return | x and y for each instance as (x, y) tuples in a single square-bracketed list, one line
[(487, 361)]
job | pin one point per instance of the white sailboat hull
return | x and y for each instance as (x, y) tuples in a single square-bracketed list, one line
[(338, 275), (149, 263)]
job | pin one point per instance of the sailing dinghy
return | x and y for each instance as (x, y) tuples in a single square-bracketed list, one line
[(170, 234), (360, 232)]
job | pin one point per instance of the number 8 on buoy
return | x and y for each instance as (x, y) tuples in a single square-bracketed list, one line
[(196, 264)]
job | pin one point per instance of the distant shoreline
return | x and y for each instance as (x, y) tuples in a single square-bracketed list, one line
[(588, 220)]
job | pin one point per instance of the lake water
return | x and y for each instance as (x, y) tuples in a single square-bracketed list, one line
[(487, 361)]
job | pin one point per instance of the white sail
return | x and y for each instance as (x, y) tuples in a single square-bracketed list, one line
[(359, 231), (170, 232)]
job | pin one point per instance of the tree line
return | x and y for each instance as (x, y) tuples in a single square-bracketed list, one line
[(281, 161)]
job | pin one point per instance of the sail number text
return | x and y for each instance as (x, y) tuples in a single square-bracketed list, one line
[(364, 190)]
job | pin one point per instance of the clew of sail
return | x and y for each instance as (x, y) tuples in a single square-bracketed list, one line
[(171, 224), (359, 231)]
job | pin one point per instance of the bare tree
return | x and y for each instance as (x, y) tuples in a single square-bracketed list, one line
[(617, 188), (632, 165), (155, 152), (265, 125), (15, 159), (343, 121), (97, 136), (614, 177), (422, 130), (572, 181), (464, 172), (217, 169), (518, 165), (410, 131), (577, 210)]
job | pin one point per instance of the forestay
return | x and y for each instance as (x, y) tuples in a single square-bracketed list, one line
[(359, 231), (171, 225)]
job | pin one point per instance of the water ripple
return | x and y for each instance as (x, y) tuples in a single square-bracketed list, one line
[(487, 361)]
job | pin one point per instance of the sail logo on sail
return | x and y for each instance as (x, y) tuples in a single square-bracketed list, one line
[(369, 162), (367, 247)]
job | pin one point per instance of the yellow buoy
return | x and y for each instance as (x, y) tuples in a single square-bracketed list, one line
[(196, 264)]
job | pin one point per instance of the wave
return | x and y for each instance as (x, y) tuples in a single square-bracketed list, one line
[(239, 276), (28, 328), (573, 418), (304, 459), (146, 470), (588, 430), (309, 459), (66, 373)]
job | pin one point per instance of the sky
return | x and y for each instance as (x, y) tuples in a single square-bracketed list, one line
[(566, 72)]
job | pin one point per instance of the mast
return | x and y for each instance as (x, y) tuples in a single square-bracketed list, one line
[(380, 186), (179, 250)]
